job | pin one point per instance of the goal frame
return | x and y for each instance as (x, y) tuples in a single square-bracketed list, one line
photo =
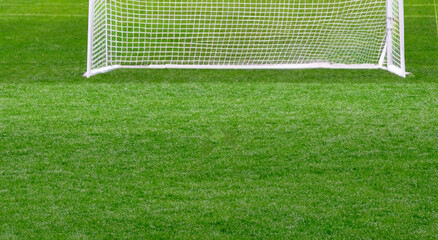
[(385, 57)]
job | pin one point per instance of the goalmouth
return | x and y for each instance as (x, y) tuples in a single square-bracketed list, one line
[(246, 34)]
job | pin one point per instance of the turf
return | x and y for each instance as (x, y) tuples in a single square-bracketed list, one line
[(211, 153)]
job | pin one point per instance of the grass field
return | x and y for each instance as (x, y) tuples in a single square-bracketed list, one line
[(211, 153)]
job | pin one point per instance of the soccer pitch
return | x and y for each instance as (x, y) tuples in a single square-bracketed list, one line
[(237, 154)]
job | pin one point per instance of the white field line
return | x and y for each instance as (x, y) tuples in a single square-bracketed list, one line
[(84, 16), (40, 15), (44, 4), (419, 16), (421, 5), (82, 4), (436, 18)]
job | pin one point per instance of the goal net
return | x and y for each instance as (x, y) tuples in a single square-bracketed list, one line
[(252, 34)]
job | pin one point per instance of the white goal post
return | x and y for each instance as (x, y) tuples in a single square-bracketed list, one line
[(246, 34)]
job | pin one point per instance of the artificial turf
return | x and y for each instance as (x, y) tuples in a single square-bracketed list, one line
[(201, 154)]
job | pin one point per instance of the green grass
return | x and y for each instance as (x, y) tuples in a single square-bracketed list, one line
[(211, 153)]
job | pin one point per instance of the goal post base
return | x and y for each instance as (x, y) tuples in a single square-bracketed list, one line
[(396, 70), (101, 70), (392, 69)]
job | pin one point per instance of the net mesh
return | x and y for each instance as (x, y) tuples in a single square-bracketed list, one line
[(241, 32)]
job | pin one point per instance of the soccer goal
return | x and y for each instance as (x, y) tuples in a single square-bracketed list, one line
[(246, 34)]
